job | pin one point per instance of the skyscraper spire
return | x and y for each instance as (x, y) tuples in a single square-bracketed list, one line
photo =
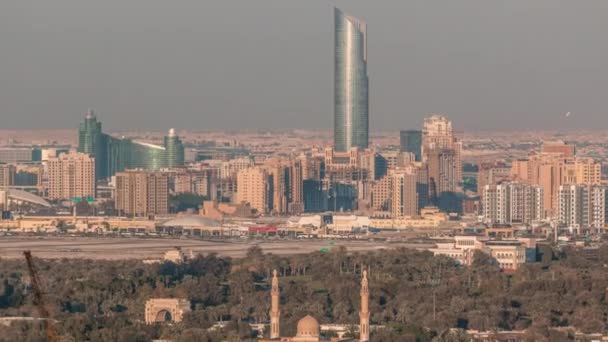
[(274, 307), (364, 313)]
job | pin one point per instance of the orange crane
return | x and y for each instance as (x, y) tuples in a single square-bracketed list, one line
[(51, 333)]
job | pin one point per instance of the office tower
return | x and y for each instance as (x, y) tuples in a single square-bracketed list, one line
[(411, 141), (252, 188), (315, 199), (404, 202), (438, 135), (7, 175), (341, 196), (174, 150), (142, 193), (94, 143), (71, 175), (114, 155), (512, 202), (559, 147), (351, 83)]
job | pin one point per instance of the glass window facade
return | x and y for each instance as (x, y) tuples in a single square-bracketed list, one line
[(113, 155), (351, 83)]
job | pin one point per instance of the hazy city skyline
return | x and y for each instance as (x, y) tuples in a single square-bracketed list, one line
[(269, 64)]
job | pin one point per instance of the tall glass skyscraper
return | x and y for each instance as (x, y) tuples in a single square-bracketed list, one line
[(351, 83), (93, 142), (174, 150)]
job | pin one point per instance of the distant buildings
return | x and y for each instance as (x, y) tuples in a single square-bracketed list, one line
[(7, 174), (351, 87), (114, 155), (442, 151), (71, 175), (13, 155), (509, 254), (308, 328), (411, 141), (252, 188), (142, 193), (556, 166), (398, 193), (582, 206), (511, 202)]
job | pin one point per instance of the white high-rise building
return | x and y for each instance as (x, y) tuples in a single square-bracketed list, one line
[(582, 206), (509, 203)]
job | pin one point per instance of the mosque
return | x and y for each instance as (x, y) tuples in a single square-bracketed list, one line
[(308, 328)]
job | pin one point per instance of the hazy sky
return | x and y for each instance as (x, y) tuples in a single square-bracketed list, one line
[(201, 64)]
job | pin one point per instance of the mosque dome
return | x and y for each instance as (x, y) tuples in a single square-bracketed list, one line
[(308, 327)]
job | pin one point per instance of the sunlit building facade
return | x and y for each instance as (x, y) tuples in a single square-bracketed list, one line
[(351, 83)]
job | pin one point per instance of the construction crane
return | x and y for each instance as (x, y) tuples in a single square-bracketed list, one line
[(51, 333)]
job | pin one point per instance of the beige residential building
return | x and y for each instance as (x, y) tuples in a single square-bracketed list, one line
[(252, 188), (559, 147), (142, 193), (443, 168), (404, 201), (438, 135), (7, 174), (490, 174), (547, 170), (71, 175), (519, 170), (554, 167), (588, 171)]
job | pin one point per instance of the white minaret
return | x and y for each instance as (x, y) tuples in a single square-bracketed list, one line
[(274, 307), (364, 313)]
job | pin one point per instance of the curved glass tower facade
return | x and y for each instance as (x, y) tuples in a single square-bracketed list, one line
[(351, 83), (174, 150), (118, 154)]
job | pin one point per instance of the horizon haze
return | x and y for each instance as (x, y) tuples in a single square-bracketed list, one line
[(222, 65)]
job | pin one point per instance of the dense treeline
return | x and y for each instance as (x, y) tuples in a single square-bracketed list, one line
[(415, 295)]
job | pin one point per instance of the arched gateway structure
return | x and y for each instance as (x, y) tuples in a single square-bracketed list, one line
[(160, 310)]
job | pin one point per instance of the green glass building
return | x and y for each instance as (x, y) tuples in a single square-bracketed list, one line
[(174, 150), (113, 155), (411, 141)]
